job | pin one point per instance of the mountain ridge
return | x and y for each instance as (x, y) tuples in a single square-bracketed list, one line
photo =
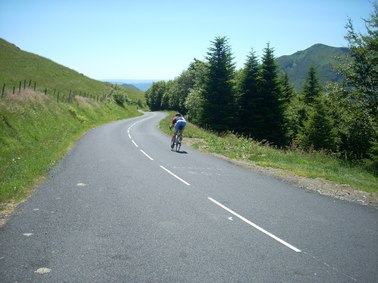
[(323, 57), (18, 65)]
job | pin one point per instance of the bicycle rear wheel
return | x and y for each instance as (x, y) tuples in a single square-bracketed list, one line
[(177, 143)]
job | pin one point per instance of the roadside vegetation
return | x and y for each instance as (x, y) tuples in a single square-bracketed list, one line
[(316, 164), (36, 131), (327, 131), (44, 109)]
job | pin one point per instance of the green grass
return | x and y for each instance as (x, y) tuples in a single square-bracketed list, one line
[(18, 65), (36, 131), (311, 165)]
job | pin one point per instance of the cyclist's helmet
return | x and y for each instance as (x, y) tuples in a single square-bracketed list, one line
[(178, 115)]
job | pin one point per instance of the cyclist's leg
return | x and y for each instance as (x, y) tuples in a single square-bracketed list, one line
[(173, 141)]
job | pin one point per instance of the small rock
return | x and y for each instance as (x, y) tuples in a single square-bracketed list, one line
[(43, 270)]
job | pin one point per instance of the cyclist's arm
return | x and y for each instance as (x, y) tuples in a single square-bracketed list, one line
[(172, 123)]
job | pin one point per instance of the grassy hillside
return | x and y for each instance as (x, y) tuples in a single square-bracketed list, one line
[(17, 65), (36, 129), (322, 57)]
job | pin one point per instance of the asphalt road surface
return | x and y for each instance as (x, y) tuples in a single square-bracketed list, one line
[(123, 207)]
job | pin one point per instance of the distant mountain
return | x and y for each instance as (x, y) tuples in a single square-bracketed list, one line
[(142, 85), (131, 86), (321, 56)]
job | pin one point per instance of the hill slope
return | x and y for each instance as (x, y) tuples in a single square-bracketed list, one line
[(18, 65), (321, 56), (36, 130)]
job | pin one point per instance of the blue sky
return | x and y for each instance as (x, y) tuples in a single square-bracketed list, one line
[(146, 39)]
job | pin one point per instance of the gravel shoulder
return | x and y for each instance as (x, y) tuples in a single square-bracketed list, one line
[(317, 185)]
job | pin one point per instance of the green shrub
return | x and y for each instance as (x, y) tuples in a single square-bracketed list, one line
[(76, 115), (372, 163)]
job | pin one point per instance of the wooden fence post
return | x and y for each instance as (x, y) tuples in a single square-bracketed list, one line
[(19, 87), (2, 92), (35, 84)]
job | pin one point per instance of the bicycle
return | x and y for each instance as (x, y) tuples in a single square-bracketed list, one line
[(177, 141)]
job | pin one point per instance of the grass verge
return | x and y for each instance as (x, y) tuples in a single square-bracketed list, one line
[(36, 131), (311, 165)]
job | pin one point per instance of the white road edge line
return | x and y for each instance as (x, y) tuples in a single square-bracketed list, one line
[(256, 226), (177, 177), (146, 155)]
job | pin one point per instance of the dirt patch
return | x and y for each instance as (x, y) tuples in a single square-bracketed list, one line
[(6, 211)]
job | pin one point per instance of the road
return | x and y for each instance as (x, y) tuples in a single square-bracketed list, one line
[(122, 207)]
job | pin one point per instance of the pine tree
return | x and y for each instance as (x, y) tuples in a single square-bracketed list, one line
[(249, 98), (318, 132), (362, 74), (290, 104), (219, 106), (287, 89), (270, 122), (311, 88), (311, 91)]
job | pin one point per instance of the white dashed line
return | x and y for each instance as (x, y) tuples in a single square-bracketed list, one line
[(216, 202), (149, 157), (256, 226), (146, 154), (134, 143), (177, 177)]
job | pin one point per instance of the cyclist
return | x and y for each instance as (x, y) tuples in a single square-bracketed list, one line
[(179, 123)]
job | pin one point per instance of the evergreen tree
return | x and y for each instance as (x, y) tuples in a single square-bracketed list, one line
[(287, 89), (318, 132), (311, 88), (355, 103), (310, 93), (249, 96), (362, 74), (290, 105), (219, 106), (269, 124)]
